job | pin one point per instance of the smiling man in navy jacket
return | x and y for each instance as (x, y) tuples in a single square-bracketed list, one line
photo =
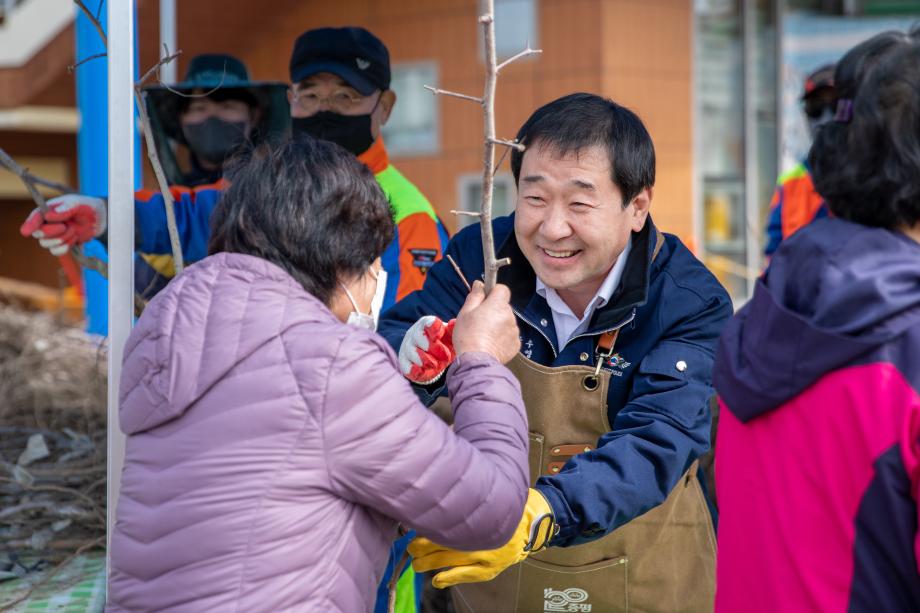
[(618, 325)]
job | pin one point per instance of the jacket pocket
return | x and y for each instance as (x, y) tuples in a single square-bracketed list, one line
[(601, 586)]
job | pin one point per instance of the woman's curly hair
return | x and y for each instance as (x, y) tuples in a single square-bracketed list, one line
[(306, 205)]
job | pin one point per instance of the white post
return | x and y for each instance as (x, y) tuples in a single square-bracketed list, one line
[(168, 38), (698, 219), (121, 224), (752, 236)]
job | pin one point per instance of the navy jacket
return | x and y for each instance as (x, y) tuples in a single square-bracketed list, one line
[(670, 310)]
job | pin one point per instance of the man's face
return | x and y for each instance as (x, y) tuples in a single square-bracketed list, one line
[(325, 91), (200, 110), (570, 221)]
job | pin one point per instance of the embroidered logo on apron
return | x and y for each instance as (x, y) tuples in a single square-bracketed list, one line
[(572, 599)]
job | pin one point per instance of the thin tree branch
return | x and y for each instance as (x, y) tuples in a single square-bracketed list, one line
[(153, 155), (94, 19), (10, 164), (466, 213), (23, 173), (90, 263), (444, 92), (155, 69), (58, 187), (508, 143), (95, 56), (100, 515), (188, 95), (220, 83), (397, 573), (168, 201), (488, 106), (30, 181), (526, 52), (459, 272), (500, 161)]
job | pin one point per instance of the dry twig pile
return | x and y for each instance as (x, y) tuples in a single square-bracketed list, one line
[(52, 440)]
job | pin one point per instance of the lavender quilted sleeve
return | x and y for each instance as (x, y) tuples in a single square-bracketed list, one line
[(464, 488)]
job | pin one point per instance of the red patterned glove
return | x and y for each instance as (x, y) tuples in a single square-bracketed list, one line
[(71, 220), (427, 350)]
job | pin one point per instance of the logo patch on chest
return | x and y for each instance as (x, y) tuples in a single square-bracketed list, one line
[(616, 364)]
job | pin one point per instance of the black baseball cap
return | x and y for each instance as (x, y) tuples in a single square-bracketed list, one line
[(352, 53)]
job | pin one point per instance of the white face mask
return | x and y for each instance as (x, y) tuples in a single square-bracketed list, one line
[(369, 321)]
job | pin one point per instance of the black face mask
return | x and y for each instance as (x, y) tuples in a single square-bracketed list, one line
[(353, 132), (213, 140)]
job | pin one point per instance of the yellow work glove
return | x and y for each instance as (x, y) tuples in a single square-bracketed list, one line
[(536, 528)]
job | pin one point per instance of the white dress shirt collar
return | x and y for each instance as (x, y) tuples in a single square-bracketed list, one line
[(566, 323)]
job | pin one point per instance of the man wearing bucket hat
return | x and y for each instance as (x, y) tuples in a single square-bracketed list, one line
[(795, 201), (197, 124), (212, 112)]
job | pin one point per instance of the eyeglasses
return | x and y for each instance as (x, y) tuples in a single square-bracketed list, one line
[(340, 102)]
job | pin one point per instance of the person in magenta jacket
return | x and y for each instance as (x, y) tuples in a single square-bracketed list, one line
[(272, 444), (818, 451)]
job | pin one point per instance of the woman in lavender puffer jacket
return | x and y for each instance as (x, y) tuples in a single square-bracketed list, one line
[(272, 447)]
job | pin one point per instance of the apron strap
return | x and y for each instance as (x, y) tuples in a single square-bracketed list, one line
[(604, 350), (606, 342)]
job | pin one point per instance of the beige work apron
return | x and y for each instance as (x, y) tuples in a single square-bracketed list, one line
[(663, 560)]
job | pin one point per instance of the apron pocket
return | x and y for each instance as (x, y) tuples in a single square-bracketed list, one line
[(600, 587)]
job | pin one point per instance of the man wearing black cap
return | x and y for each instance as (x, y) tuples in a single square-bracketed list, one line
[(208, 115), (341, 92), (795, 202)]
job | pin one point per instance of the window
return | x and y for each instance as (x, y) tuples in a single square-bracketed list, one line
[(736, 82), (470, 196), (413, 126), (515, 27)]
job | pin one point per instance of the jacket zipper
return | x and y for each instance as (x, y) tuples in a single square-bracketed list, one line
[(623, 323), (534, 326)]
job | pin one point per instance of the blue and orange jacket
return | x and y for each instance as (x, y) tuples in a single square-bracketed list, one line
[(419, 242), (795, 204), (818, 449)]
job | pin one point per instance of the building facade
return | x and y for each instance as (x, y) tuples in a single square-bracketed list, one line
[(714, 80)]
